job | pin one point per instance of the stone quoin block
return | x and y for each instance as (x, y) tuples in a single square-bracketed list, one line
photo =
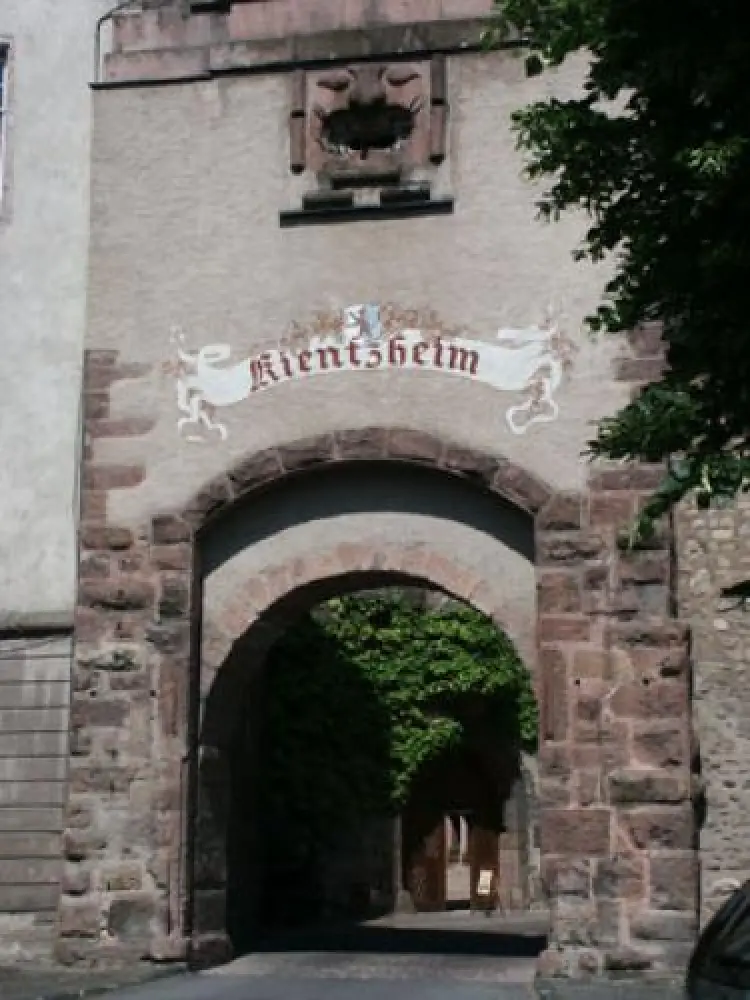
[(631, 478), (567, 878), (94, 567), (558, 592), (76, 880), (628, 960), (611, 510), (561, 513), (659, 700), (661, 747), (171, 558), (106, 537), (170, 530), (93, 506), (564, 628), (80, 844), (628, 786), (79, 919), (119, 428), (620, 877), (113, 477), (99, 712), (124, 594), (174, 596), (121, 878), (569, 548), (592, 663), (92, 778), (576, 832), (554, 708), (663, 926), (643, 567)]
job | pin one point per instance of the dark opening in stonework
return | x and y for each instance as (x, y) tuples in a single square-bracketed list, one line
[(364, 128)]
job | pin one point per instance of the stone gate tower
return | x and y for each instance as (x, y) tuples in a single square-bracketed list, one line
[(328, 344)]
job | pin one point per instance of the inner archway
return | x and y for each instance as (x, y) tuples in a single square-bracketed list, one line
[(386, 763)]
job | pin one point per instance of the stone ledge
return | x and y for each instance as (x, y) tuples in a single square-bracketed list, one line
[(279, 55), (35, 624), (327, 214)]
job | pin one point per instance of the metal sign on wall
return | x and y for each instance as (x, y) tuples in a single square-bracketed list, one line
[(531, 363)]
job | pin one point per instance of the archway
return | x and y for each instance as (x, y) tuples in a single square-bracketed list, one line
[(234, 854), (327, 532), (612, 674)]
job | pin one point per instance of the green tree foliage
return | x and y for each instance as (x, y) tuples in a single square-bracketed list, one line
[(656, 149), (361, 696)]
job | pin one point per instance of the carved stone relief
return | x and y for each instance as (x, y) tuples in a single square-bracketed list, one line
[(368, 124)]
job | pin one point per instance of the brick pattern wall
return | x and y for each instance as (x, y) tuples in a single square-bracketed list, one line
[(34, 712), (714, 552)]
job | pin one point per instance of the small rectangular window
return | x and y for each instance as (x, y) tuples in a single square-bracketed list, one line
[(3, 115)]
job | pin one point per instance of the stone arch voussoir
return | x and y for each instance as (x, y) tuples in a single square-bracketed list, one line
[(261, 469)]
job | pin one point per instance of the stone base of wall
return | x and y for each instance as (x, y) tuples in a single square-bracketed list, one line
[(34, 719)]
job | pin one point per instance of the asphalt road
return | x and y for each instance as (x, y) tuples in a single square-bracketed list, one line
[(435, 957), (438, 957), (243, 987)]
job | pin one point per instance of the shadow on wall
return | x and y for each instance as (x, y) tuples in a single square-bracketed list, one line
[(324, 753), (366, 488)]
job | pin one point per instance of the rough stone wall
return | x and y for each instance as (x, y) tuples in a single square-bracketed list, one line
[(617, 828), (713, 553)]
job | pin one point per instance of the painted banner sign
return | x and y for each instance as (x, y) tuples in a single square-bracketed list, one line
[(530, 362)]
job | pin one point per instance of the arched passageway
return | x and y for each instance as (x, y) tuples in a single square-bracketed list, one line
[(346, 790), (592, 621)]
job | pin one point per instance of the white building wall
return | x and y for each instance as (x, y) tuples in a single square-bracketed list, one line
[(43, 246), (43, 250)]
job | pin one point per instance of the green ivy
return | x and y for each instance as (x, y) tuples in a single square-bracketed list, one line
[(363, 694)]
